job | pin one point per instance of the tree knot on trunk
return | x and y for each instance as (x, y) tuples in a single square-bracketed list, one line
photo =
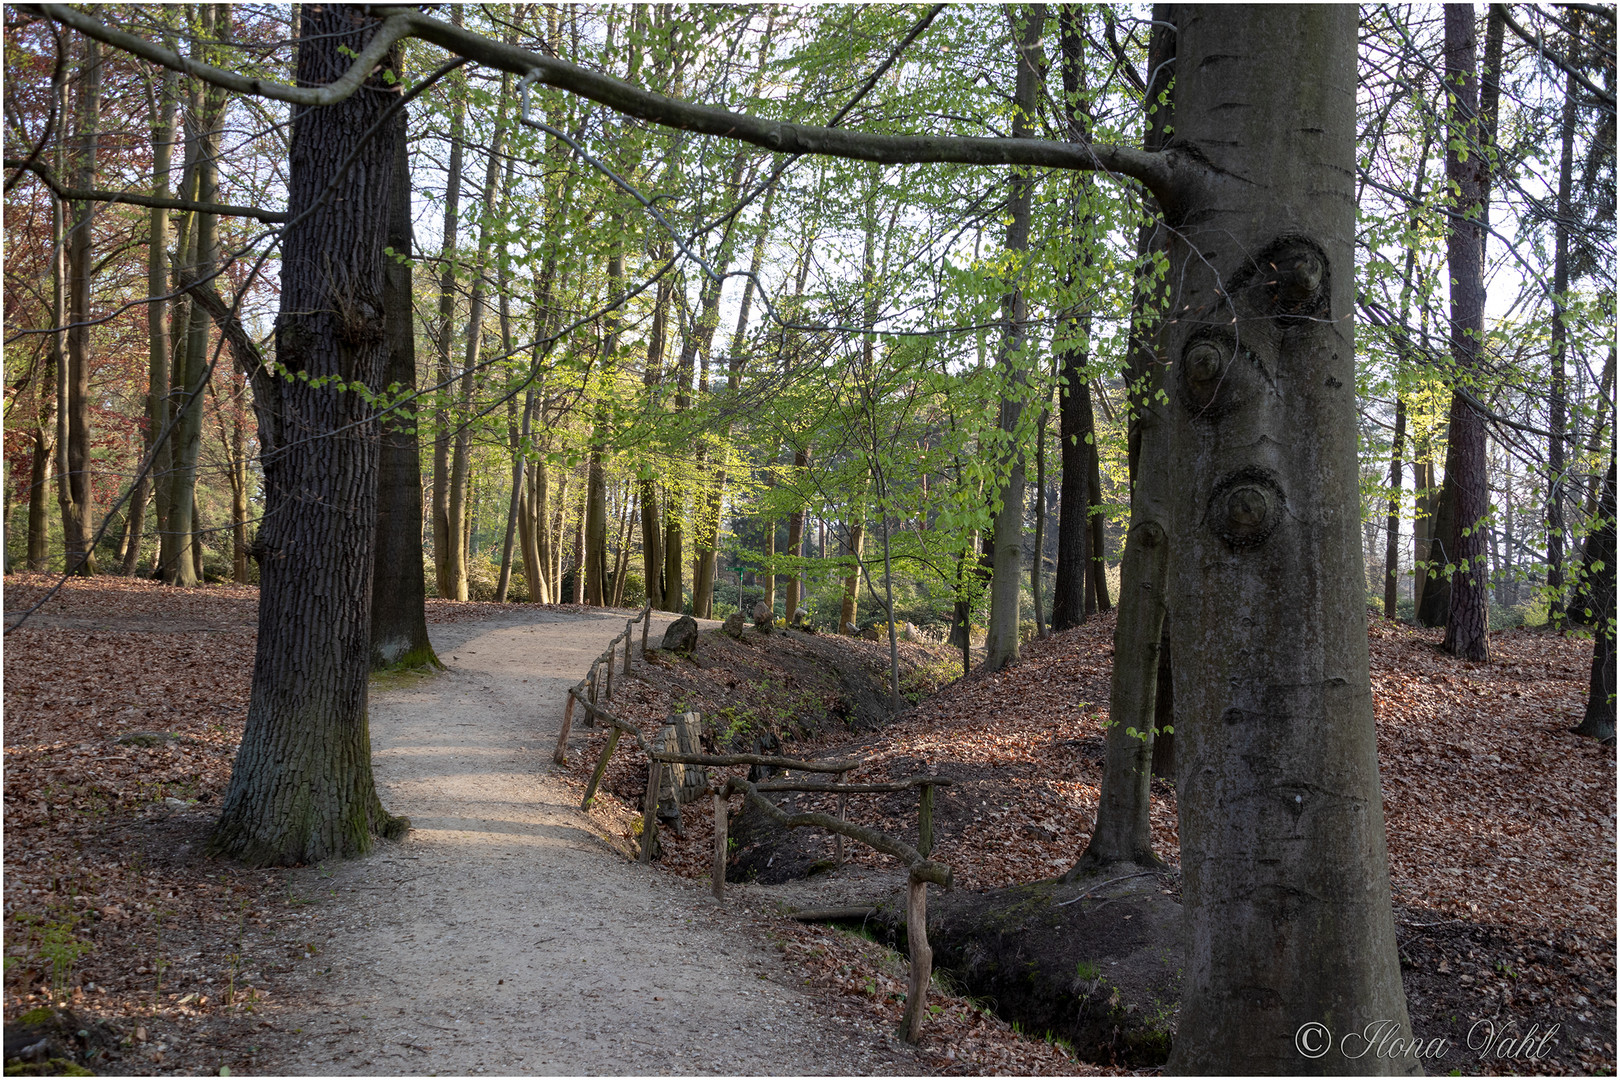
[(1288, 280), (1246, 507)]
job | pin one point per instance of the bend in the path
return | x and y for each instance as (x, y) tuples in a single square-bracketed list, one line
[(503, 935)]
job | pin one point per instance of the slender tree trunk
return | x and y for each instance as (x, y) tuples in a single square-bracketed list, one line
[(74, 490), (1392, 522), (1467, 627), (301, 789), (856, 536), (1138, 707), (399, 635), (1600, 577), (190, 378), (1557, 405), (795, 540), (1001, 644), (1285, 879), (1036, 566), (446, 540), (162, 108)]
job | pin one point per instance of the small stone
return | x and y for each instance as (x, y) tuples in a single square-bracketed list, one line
[(733, 626), (764, 617)]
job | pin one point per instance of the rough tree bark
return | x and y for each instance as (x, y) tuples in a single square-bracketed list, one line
[(1600, 582), (301, 789), (1284, 870), (1467, 170)]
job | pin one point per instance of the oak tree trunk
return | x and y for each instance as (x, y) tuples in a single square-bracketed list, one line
[(301, 789)]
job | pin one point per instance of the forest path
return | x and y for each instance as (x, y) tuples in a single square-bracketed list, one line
[(502, 935)]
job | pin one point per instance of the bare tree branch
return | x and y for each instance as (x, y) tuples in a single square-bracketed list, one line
[(67, 194)]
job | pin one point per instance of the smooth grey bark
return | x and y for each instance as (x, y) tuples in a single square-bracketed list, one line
[(1006, 576), (1284, 870), (301, 789)]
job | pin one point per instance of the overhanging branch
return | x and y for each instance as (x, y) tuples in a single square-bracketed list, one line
[(67, 194), (1156, 169)]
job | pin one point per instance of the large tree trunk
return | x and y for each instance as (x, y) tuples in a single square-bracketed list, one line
[(1123, 830), (73, 486), (1284, 870), (1001, 641), (399, 637), (1467, 628), (301, 789)]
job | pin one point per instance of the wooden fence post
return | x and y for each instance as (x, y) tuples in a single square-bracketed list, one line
[(838, 838), (601, 768), (627, 627), (646, 621), (649, 811), (590, 692), (560, 755), (922, 959), (720, 825), (609, 675), (925, 821)]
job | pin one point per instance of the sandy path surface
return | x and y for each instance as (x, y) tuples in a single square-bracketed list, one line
[(503, 936)]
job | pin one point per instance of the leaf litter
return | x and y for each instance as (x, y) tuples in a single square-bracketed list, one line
[(1501, 827)]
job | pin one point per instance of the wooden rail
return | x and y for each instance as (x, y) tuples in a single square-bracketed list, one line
[(920, 869), (585, 690)]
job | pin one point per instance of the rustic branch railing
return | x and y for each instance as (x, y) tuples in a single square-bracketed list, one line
[(585, 689), (920, 869)]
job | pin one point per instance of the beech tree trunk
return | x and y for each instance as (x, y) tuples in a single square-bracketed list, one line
[(73, 485), (301, 789), (1284, 869), (162, 108), (795, 542), (1001, 640), (847, 606), (399, 637)]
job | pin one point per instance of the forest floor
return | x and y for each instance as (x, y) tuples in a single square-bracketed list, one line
[(506, 935)]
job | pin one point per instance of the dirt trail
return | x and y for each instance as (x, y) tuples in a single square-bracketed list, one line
[(503, 935)]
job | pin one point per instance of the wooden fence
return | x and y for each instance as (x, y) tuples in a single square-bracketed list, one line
[(920, 870), (586, 688)]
